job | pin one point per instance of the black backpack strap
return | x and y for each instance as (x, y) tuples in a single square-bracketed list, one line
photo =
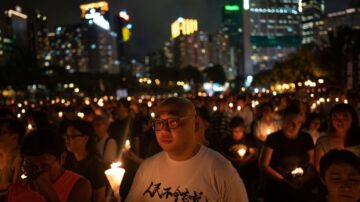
[(106, 142)]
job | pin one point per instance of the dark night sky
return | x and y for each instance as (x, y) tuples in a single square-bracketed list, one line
[(151, 19)]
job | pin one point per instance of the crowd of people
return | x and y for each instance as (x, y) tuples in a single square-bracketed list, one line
[(219, 148)]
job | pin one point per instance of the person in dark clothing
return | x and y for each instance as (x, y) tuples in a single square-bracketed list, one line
[(85, 159), (240, 149), (287, 160)]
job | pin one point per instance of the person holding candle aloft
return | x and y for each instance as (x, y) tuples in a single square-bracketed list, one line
[(284, 152), (185, 170), (85, 158), (267, 123), (240, 149)]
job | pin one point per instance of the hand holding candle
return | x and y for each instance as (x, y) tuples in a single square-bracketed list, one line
[(115, 175), (268, 131), (242, 152), (297, 172)]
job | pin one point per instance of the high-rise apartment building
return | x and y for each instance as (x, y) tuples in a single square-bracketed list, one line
[(39, 44), (312, 20), (275, 31)]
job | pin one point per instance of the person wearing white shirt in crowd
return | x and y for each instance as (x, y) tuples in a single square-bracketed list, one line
[(185, 170), (244, 111), (105, 144)]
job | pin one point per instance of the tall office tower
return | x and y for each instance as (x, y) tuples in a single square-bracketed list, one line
[(96, 13), (183, 26), (197, 54), (18, 23), (7, 44), (38, 38), (168, 50), (101, 41), (350, 18), (219, 53), (191, 50), (123, 27), (70, 49), (84, 48), (235, 17), (312, 20), (275, 31)]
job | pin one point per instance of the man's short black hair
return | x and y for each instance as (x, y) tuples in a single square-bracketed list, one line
[(43, 141), (14, 126), (237, 121), (336, 157)]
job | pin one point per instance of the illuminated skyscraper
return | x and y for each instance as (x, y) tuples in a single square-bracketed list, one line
[(235, 23), (97, 13), (38, 38), (123, 28), (275, 31), (18, 24), (183, 26), (7, 44), (312, 20), (192, 50)]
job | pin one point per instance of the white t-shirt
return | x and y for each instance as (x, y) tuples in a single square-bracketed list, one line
[(109, 154), (207, 176)]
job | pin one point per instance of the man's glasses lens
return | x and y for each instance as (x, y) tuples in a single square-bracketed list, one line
[(172, 123)]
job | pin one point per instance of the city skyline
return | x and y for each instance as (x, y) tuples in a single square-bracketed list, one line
[(151, 27)]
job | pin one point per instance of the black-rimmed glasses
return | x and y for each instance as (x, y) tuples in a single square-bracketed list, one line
[(171, 123)]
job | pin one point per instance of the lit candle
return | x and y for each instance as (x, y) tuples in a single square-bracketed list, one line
[(268, 131), (214, 108), (80, 115), (242, 152), (23, 176), (297, 172), (127, 145), (115, 175), (30, 127), (238, 108), (60, 114)]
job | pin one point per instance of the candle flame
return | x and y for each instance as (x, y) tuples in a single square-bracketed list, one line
[(115, 165), (238, 108), (23, 176), (268, 131), (30, 127), (127, 144), (242, 152), (297, 171)]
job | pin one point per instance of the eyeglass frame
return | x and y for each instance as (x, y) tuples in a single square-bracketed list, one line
[(72, 136), (179, 118)]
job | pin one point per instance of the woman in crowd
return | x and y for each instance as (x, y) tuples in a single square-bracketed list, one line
[(85, 159), (287, 160), (312, 126), (343, 132)]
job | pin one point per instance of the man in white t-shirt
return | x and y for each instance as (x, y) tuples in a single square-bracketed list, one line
[(105, 144), (185, 170)]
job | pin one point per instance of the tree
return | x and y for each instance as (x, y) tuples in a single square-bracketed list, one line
[(215, 74)]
